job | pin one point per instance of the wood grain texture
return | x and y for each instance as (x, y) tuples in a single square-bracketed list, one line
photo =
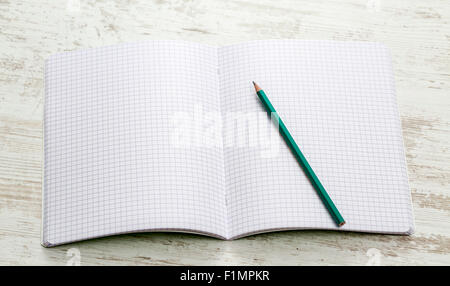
[(417, 32)]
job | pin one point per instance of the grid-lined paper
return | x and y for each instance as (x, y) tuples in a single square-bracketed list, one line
[(110, 164), (338, 101)]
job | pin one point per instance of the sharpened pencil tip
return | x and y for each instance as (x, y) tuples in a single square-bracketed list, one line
[(257, 88)]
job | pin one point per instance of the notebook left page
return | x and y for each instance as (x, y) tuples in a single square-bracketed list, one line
[(114, 160)]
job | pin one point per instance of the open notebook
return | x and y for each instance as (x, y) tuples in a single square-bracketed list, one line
[(138, 138)]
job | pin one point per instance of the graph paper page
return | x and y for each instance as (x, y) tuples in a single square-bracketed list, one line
[(338, 102), (113, 158)]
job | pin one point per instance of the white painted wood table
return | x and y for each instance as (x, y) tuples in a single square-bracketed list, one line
[(418, 33)]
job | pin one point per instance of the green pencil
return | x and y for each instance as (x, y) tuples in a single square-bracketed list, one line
[(300, 158)]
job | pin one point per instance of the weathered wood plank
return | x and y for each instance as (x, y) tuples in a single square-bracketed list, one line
[(417, 32)]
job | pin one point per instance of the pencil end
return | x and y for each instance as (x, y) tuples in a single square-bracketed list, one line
[(342, 223), (257, 88)]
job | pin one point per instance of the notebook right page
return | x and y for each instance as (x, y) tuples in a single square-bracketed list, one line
[(338, 101)]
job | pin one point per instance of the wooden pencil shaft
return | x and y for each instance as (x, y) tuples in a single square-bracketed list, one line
[(301, 159)]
